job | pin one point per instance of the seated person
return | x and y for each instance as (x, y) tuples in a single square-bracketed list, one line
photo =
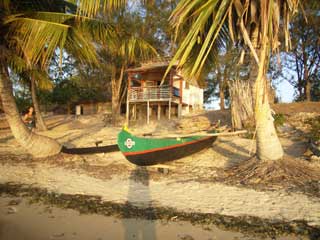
[(28, 118)]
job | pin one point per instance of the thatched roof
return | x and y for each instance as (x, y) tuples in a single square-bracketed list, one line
[(150, 66)]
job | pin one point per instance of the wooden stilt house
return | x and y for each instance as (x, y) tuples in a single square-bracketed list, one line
[(148, 99)]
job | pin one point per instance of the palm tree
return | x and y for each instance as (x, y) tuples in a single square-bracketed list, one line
[(32, 32), (253, 25), (126, 50), (37, 79)]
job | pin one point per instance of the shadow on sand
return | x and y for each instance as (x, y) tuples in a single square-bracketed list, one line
[(139, 192), (233, 152)]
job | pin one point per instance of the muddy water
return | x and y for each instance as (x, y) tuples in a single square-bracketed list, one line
[(20, 220)]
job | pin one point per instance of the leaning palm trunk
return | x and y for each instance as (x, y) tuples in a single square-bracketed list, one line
[(242, 114), (38, 146), (39, 120), (268, 144)]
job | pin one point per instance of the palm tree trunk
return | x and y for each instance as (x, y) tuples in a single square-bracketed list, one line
[(36, 145), (40, 125), (115, 107), (268, 144), (116, 90), (221, 96), (242, 113), (221, 89)]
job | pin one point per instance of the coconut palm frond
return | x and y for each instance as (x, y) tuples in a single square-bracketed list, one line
[(99, 31), (77, 44), (207, 31), (128, 48), (90, 8), (13, 61), (56, 17), (17, 64), (211, 23), (42, 79), (37, 39), (137, 48)]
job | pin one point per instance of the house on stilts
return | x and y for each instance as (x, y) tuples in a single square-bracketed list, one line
[(148, 99)]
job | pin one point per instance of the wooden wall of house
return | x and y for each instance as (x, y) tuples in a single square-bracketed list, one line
[(94, 108), (154, 76), (104, 107), (89, 108)]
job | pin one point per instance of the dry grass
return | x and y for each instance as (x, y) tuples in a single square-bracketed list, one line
[(288, 173)]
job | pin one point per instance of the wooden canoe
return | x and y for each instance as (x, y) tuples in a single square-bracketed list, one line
[(148, 151), (91, 150)]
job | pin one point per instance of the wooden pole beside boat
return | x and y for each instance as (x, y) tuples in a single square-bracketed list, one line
[(198, 134)]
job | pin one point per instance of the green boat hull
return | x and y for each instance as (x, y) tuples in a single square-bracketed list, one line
[(150, 151)]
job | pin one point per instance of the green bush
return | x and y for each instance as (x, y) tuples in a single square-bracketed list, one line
[(279, 119), (315, 129)]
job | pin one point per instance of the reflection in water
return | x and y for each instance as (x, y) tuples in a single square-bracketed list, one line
[(139, 191)]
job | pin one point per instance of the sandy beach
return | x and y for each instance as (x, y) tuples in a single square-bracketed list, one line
[(187, 185)]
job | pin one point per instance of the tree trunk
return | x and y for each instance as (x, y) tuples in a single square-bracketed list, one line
[(308, 90), (307, 84), (69, 108), (221, 90), (116, 89), (221, 95), (115, 108), (268, 144), (37, 145), (242, 114), (40, 125)]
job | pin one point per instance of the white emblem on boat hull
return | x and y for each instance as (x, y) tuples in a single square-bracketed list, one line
[(129, 143)]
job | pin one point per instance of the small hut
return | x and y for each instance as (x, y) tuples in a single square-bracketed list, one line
[(92, 107), (148, 99)]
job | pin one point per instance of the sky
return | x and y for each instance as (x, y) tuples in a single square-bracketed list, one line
[(284, 90)]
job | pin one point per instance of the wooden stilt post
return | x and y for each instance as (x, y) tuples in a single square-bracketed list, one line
[(148, 112), (127, 112), (179, 110), (169, 116), (170, 93), (135, 112), (159, 111), (128, 101)]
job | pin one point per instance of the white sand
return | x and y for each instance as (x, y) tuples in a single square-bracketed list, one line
[(178, 189), (188, 196)]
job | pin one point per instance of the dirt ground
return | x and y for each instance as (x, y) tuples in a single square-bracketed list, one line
[(204, 182)]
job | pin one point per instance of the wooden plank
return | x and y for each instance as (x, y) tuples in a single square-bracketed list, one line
[(198, 134)]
